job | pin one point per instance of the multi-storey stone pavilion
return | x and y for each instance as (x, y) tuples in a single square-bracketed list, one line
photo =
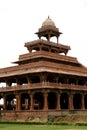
[(45, 82)]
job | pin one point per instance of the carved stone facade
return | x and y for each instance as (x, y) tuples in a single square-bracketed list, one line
[(45, 79)]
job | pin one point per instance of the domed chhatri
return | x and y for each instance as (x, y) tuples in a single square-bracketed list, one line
[(48, 30), (48, 22)]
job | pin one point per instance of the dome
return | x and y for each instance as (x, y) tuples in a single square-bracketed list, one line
[(48, 22)]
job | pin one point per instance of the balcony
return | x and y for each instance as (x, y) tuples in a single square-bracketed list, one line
[(44, 85)]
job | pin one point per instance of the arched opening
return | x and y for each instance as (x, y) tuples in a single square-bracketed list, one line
[(72, 81), (44, 38), (35, 49), (23, 81), (2, 84), (35, 79), (11, 82), (45, 48), (38, 101), (77, 101), (81, 82), (11, 102), (85, 101), (62, 80), (25, 101), (53, 39), (64, 101), (50, 78), (52, 100)]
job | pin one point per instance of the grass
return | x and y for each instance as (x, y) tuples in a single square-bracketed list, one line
[(40, 127)]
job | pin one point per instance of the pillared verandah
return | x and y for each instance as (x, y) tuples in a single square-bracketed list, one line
[(45, 79)]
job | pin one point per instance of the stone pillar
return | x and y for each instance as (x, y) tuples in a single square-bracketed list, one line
[(83, 105), (8, 83), (42, 78), (28, 79), (48, 37), (45, 101), (58, 101), (57, 39), (17, 81), (29, 82), (18, 102), (30, 49), (71, 102), (31, 102), (4, 105)]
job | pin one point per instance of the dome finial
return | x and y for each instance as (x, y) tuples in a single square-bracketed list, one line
[(48, 22)]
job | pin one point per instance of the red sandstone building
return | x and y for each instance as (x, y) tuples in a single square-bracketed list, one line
[(45, 81)]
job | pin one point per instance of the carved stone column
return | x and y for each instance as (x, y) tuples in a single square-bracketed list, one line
[(71, 102), (48, 37), (31, 101), (28, 79), (45, 100), (18, 102), (83, 105), (42, 78), (58, 101), (8, 83)]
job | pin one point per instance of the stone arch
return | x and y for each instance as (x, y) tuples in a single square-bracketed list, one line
[(10, 102), (77, 101), (64, 101), (52, 100), (25, 101), (85, 101), (38, 100)]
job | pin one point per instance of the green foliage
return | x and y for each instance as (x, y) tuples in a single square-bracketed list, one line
[(81, 123), (51, 118), (27, 123), (59, 123), (48, 123), (62, 123)]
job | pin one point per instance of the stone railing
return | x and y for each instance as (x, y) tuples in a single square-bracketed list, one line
[(43, 85)]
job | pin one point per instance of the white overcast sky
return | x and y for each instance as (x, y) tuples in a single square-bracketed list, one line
[(20, 19)]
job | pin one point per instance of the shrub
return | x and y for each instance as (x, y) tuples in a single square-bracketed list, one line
[(81, 123)]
